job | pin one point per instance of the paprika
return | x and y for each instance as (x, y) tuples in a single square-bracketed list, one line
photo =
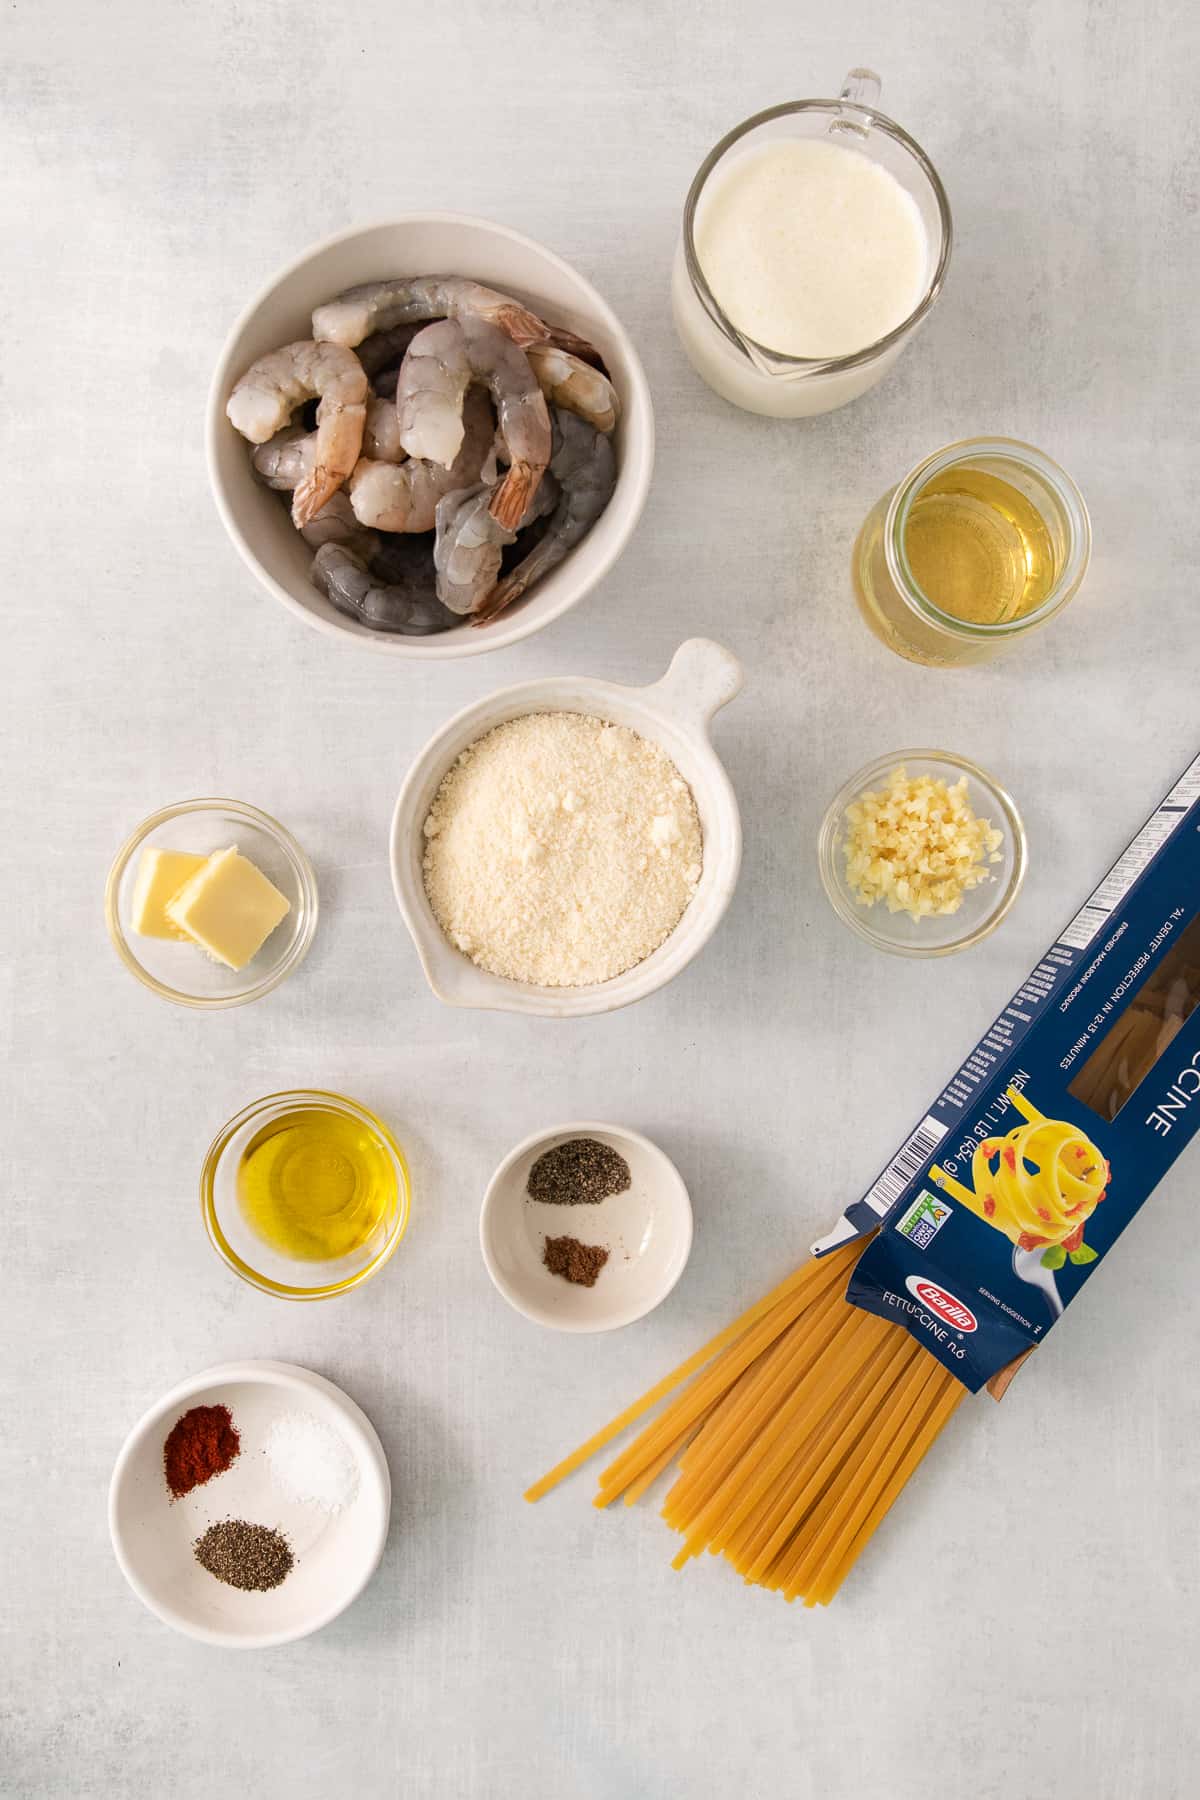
[(199, 1445)]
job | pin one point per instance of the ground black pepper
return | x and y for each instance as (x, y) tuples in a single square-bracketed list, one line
[(245, 1556), (576, 1262), (578, 1173)]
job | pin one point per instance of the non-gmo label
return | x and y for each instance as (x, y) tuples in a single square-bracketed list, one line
[(924, 1219), (941, 1304)]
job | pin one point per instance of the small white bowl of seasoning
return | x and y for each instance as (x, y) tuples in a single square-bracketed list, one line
[(586, 1227), (672, 714), (285, 1532)]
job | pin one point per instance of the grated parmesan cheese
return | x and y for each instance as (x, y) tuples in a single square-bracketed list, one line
[(561, 849), (917, 845)]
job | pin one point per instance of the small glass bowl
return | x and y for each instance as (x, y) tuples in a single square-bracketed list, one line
[(181, 972), (982, 908), (241, 1247)]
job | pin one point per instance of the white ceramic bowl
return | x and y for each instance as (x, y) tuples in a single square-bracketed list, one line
[(153, 1535), (673, 712), (647, 1231), (423, 244)]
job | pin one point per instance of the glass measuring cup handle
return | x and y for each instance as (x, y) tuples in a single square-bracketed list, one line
[(860, 91)]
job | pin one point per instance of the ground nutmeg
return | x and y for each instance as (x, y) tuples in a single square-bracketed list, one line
[(580, 1263)]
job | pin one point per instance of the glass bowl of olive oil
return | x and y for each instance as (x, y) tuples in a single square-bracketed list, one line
[(305, 1194)]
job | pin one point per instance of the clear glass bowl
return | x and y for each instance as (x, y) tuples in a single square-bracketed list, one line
[(891, 599), (180, 972), (240, 1246), (982, 908)]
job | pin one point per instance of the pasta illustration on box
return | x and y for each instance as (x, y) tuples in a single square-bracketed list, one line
[(791, 1433), (1039, 1185)]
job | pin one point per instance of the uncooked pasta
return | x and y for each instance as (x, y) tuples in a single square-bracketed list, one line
[(797, 1428)]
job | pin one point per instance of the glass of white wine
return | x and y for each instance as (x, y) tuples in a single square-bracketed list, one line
[(980, 544)]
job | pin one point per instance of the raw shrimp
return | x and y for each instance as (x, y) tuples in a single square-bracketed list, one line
[(265, 398), (377, 306), (404, 497), (442, 362), (584, 468), (336, 524), (567, 381), (284, 460), (470, 544), (381, 355), (381, 435), (406, 606)]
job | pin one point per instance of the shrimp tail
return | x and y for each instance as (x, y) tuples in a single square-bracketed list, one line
[(526, 329), (511, 499), (521, 325), (502, 595), (563, 339), (311, 495)]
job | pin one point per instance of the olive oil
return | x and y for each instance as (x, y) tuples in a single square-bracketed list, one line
[(316, 1185), (979, 548)]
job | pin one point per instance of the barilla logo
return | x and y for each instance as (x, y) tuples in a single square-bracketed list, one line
[(943, 1305)]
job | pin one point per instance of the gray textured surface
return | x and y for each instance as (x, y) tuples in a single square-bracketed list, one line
[(1026, 1622)]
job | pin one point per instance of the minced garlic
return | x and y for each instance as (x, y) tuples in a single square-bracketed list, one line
[(918, 845)]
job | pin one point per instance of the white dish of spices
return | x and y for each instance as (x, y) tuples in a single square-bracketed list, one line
[(586, 1227), (672, 715), (303, 1502)]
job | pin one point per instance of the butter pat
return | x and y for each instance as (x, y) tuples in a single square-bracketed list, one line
[(160, 875), (228, 907)]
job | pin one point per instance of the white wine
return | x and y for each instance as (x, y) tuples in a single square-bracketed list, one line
[(981, 543), (979, 548)]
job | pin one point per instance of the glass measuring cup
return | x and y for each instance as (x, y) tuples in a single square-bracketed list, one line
[(753, 375)]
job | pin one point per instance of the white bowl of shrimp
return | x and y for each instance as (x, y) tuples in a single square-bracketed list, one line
[(673, 713), (574, 495)]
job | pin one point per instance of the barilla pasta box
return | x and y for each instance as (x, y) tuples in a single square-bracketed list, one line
[(997, 1209)]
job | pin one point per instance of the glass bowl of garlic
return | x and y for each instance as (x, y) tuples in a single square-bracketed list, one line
[(922, 853)]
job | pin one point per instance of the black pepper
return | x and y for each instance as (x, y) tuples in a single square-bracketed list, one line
[(580, 1172), (245, 1556)]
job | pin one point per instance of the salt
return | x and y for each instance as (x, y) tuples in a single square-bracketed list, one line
[(310, 1462)]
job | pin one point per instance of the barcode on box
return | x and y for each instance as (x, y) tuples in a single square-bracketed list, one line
[(911, 1158), (1095, 911)]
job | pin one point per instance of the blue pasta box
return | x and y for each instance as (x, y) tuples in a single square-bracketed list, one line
[(1023, 1173)]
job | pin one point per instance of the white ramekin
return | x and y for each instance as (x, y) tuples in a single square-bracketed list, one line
[(673, 712)]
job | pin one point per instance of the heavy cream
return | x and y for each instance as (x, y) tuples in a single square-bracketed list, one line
[(811, 249)]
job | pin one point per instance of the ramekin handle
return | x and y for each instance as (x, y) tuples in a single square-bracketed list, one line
[(703, 677)]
